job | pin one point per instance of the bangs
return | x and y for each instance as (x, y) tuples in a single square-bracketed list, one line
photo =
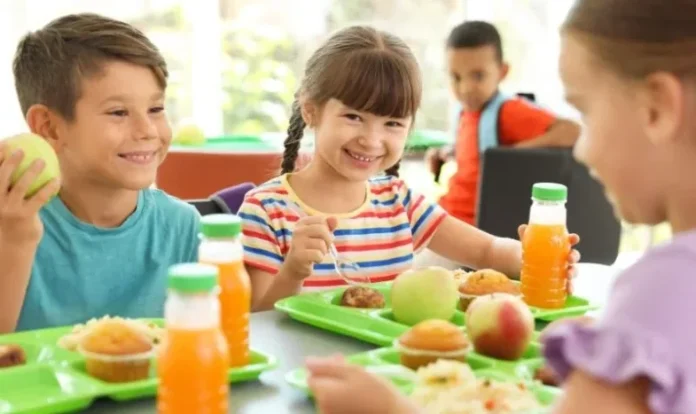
[(375, 81)]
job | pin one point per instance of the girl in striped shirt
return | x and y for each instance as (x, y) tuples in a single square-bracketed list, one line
[(360, 93)]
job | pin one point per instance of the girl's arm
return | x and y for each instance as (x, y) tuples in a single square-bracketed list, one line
[(469, 246), (267, 288), (585, 394)]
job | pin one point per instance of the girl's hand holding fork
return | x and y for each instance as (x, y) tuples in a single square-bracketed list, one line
[(310, 244)]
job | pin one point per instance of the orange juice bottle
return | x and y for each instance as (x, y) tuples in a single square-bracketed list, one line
[(220, 246), (192, 361), (545, 248)]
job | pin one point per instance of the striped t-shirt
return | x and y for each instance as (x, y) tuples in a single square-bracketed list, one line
[(381, 236)]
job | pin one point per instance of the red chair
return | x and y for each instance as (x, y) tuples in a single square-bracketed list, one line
[(196, 174)]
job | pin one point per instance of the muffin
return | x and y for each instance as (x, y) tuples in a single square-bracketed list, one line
[(362, 297), (12, 355), (484, 282), (115, 351), (430, 341)]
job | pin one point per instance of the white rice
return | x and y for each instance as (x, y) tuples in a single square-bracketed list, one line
[(450, 387)]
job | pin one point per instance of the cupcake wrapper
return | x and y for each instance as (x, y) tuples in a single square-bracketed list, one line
[(117, 368)]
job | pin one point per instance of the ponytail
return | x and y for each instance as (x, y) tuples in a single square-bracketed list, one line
[(292, 142)]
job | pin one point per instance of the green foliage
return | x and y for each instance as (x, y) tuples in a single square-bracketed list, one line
[(258, 79)]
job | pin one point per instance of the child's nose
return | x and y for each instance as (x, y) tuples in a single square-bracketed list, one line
[(144, 128), (370, 138), (580, 149), (466, 87)]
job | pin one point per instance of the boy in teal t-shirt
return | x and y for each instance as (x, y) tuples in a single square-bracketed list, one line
[(94, 88)]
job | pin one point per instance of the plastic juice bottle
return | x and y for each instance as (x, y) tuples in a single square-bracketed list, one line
[(545, 248), (220, 246), (192, 362)]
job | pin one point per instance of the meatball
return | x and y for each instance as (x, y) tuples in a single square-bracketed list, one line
[(546, 376), (362, 297), (11, 355)]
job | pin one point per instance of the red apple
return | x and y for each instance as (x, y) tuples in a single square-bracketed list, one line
[(500, 326)]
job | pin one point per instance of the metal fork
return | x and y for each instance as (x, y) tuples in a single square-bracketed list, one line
[(340, 263)]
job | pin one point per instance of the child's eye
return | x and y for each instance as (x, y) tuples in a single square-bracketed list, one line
[(479, 76), (157, 109), (119, 113), (395, 124), (353, 117)]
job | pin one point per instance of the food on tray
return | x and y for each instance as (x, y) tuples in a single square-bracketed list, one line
[(362, 297), (431, 340), (460, 275), (419, 295), (484, 282), (71, 340), (11, 355), (115, 351), (546, 375), (448, 387), (500, 325)]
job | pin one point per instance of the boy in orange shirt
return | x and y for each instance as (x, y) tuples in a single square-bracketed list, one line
[(488, 118)]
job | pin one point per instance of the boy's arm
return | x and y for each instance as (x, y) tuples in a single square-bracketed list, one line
[(20, 232), (16, 260), (562, 133), (525, 125)]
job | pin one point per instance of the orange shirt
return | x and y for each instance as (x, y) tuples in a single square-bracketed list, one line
[(519, 121)]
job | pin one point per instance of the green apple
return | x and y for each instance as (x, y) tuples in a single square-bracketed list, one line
[(189, 134), (34, 147), (500, 326), (419, 295)]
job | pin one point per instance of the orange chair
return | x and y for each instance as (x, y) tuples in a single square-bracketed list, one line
[(198, 174)]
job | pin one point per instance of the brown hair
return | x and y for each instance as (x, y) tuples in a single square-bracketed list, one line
[(367, 70), (50, 63), (637, 37)]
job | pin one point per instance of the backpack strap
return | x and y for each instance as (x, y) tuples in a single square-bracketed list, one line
[(488, 130)]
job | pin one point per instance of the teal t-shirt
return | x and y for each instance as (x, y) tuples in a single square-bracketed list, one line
[(82, 271)]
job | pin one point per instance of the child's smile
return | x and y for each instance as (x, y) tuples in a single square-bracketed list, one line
[(140, 157), (361, 160)]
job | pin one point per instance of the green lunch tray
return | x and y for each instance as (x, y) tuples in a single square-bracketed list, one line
[(231, 143), (54, 380), (483, 367), (423, 139), (377, 326)]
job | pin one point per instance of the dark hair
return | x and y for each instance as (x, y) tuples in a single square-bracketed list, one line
[(50, 63), (476, 33), (367, 70), (637, 37)]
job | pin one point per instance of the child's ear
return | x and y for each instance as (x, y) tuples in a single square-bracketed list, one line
[(42, 121), (309, 112), (662, 100), (504, 70)]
